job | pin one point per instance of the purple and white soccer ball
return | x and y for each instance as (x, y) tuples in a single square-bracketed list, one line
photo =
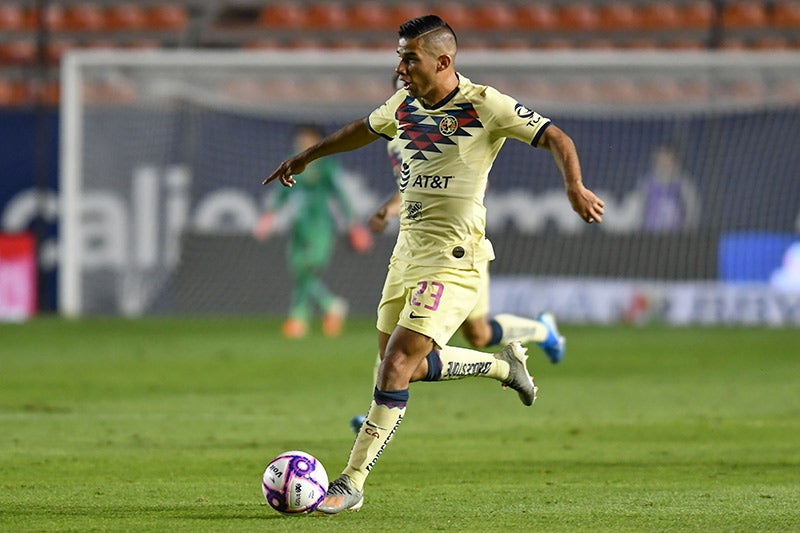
[(294, 482)]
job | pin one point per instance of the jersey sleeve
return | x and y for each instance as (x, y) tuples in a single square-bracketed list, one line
[(382, 121), (511, 119)]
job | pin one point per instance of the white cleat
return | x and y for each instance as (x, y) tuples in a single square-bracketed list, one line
[(519, 378)]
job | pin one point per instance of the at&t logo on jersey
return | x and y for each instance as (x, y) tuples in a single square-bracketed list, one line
[(426, 181)]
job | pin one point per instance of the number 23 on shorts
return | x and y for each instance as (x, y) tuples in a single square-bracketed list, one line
[(428, 291)]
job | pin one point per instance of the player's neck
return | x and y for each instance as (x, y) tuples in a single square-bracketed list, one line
[(441, 92)]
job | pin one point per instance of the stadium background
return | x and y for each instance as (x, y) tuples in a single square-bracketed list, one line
[(36, 35)]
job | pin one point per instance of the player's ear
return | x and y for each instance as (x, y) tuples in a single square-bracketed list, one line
[(442, 62)]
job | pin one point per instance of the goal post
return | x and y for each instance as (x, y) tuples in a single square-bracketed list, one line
[(163, 153)]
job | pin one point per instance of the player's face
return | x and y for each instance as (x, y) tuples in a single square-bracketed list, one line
[(417, 68), (305, 139)]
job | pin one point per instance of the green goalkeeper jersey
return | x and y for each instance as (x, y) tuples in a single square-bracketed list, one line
[(447, 152), (311, 195)]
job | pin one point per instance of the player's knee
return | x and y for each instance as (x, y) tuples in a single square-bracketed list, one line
[(399, 367), (473, 339)]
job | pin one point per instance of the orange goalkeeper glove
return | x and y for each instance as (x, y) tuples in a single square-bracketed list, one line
[(360, 238), (264, 226)]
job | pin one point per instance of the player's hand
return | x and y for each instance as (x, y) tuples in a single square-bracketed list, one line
[(584, 202), (286, 171), (379, 220)]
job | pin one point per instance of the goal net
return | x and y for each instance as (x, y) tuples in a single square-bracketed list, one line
[(696, 155)]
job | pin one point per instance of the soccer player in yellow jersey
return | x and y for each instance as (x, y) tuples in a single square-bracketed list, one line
[(478, 329), (453, 130)]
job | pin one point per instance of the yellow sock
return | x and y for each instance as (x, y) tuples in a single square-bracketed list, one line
[(457, 363), (384, 416)]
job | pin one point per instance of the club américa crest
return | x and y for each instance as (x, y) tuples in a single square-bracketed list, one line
[(448, 125)]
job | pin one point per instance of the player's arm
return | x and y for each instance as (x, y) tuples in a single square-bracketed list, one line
[(353, 136), (389, 209), (584, 202)]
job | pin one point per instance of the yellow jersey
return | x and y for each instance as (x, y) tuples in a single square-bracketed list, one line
[(447, 152)]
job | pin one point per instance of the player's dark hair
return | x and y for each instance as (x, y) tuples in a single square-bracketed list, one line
[(415, 27)]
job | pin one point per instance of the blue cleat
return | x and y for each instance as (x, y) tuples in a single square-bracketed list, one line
[(356, 422), (555, 344)]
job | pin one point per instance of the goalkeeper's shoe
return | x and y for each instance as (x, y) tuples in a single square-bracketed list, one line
[(333, 321), (294, 328), (341, 496), (518, 378), (555, 344)]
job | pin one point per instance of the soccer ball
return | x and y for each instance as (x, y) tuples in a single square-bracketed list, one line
[(294, 482)]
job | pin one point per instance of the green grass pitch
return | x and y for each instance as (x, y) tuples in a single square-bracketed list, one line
[(167, 425)]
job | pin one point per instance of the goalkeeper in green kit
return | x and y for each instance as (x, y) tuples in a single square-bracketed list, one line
[(312, 237)]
